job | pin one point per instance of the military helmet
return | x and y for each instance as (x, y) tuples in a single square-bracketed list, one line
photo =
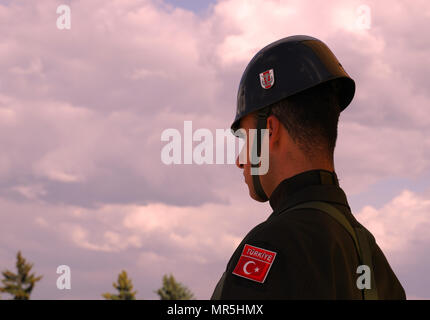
[(282, 69), (286, 67)]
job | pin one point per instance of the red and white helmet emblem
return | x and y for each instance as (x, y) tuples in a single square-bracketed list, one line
[(267, 79)]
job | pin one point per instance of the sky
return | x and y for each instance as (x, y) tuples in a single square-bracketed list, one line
[(82, 112)]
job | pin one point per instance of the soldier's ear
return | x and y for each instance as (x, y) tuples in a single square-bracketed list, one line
[(273, 126)]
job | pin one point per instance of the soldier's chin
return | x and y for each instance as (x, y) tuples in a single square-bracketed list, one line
[(254, 195)]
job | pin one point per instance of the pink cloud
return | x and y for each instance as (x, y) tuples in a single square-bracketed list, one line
[(82, 111)]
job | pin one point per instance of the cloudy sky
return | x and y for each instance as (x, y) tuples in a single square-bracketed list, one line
[(82, 111)]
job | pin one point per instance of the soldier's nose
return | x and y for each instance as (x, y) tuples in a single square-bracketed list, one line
[(239, 165)]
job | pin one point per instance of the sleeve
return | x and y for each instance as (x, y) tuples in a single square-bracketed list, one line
[(307, 264)]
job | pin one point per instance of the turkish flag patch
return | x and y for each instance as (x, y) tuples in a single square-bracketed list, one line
[(254, 263)]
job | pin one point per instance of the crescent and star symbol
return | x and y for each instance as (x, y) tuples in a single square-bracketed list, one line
[(254, 263), (246, 264)]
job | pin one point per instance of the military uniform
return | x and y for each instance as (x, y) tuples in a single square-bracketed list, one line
[(310, 254)]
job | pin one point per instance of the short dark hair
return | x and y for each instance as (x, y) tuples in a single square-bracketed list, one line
[(311, 118)]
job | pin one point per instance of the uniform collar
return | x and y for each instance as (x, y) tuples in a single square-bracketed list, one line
[(313, 185)]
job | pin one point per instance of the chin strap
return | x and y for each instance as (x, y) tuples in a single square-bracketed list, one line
[(261, 124)]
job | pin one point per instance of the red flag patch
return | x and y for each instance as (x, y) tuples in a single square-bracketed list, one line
[(254, 263)]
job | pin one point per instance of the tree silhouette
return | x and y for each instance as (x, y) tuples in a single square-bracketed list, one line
[(172, 290), (21, 284), (124, 287)]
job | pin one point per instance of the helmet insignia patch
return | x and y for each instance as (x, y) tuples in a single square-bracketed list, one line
[(267, 79)]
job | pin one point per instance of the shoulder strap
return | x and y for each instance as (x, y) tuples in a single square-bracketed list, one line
[(358, 235)]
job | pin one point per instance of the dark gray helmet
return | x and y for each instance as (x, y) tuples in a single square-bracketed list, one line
[(282, 69), (286, 67)]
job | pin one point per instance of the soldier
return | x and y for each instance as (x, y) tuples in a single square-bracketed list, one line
[(311, 246)]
